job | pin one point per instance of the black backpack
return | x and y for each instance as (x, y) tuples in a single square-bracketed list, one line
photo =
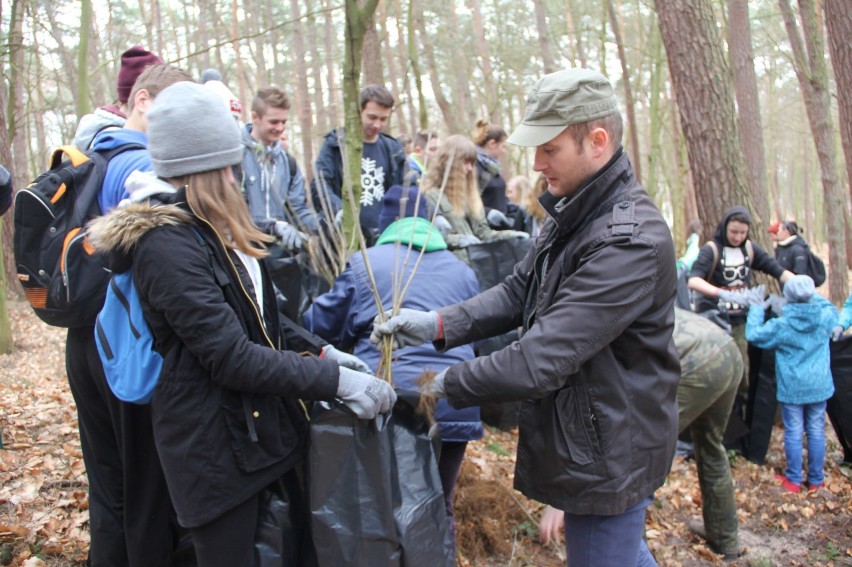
[(63, 277), (815, 268)]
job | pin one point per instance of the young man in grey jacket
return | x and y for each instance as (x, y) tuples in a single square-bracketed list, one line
[(595, 367)]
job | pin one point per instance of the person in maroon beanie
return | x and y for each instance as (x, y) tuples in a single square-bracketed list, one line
[(133, 62)]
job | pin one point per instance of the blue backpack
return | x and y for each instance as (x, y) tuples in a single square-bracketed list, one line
[(126, 345)]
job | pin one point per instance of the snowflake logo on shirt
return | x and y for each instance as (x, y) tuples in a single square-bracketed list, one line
[(372, 182)]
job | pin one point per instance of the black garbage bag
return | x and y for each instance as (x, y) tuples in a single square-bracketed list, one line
[(283, 538), (375, 492), (840, 404)]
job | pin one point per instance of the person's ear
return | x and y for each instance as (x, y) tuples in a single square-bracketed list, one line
[(598, 140), (142, 100)]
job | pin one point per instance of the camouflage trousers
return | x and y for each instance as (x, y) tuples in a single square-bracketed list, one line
[(705, 397)]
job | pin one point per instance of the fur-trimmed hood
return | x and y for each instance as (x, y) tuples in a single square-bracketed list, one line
[(152, 203)]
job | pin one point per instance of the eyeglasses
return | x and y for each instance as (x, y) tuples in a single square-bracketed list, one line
[(735, 272)]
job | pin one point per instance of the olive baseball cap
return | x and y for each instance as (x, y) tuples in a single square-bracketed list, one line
[(560, 99)]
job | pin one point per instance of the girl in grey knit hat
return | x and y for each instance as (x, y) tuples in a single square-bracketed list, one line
[(229, 426)]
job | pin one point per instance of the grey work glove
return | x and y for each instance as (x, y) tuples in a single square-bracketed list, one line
[(410, 328), (498, 220), (466, 240), (350, 361), (517, 234), (729, 296), (365, 395), (756, 296), (290, 237), (776, 303), (443, 225), (836, 333), (436, 387)]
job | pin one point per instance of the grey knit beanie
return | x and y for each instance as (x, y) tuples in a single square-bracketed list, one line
[(191, 131), (799, 289)]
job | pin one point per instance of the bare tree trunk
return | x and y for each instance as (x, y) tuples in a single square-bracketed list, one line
[(149, 25), (748, 105), (83, 105), (241, 74), (543, 36), (838, 24), (413, 21), (628, 93), (575, 30), (372, 56), (461, 75), (358, 19), (331, 71), (303, 97), (491, 100), (452, 119), (705, 99), (392, 53), (812, 72)]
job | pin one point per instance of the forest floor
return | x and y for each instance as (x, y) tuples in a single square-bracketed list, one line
[(43, 488)]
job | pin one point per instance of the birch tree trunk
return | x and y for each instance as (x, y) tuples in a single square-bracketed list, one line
[(812, 72), (83, 105)]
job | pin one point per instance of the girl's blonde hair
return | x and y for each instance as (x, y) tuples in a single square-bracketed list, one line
[(214, 198), (529, 201), (462, 190)]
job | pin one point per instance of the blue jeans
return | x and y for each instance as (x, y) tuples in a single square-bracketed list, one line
[(808, 418), (604, 541)]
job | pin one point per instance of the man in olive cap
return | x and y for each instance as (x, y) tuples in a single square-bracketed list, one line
[(595, 365)]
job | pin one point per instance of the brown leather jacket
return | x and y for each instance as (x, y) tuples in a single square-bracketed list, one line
[(596, 367)]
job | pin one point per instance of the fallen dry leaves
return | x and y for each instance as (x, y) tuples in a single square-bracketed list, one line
[(44, 507)]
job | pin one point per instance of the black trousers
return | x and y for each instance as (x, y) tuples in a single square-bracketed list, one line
[(131, 517)]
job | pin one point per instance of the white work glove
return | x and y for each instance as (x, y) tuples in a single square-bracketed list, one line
[(338, 217), (350, 361), (290, 237), (365, 395), (443, 225), (498, 220), (410, 328), (436, 387), (466, 240), (836, 333), (517, 234)]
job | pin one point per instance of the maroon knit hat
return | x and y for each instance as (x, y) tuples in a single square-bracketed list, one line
[(133, 62)]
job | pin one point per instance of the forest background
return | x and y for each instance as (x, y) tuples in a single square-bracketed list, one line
[(726, 102)]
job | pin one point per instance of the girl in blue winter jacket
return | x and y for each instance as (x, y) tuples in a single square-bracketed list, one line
[(800, 337)]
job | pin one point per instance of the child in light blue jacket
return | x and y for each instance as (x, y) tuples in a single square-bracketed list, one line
[(800, 337)]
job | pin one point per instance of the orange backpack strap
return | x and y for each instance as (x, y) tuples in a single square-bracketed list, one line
[(74, 154)]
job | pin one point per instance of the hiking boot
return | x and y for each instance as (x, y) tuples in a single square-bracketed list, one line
[(814, 487), (697, 527), (786, 484)]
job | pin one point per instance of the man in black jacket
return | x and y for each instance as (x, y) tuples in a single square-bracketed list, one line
[(595, 366), (382, 163)]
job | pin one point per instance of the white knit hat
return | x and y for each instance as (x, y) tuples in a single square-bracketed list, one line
[(191, 131)]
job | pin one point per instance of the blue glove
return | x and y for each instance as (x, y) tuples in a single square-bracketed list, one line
[(410, 328), (345, 359)]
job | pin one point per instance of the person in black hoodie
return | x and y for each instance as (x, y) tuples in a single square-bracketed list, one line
[(791, 250), (227, 413), (724, 267)]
